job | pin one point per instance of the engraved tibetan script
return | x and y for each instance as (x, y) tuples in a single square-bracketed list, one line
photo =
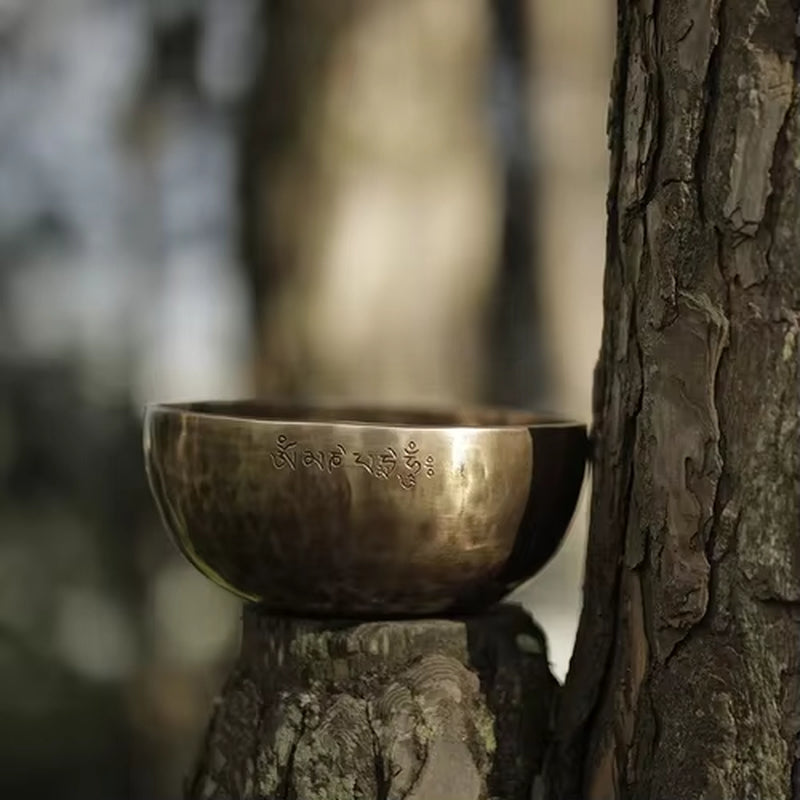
[(385, 464)]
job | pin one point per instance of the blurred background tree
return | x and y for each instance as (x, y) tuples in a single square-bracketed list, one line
[(394, 201)]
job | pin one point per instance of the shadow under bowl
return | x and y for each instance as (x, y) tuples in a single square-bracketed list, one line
[(364, 512)]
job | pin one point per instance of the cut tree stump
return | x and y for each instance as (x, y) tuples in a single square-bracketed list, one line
[(425, 709)]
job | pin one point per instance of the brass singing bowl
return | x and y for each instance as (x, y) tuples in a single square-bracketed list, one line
[(363, 512)]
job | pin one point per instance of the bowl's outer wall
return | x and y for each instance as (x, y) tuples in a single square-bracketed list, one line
[(559, 467), (356, 520)]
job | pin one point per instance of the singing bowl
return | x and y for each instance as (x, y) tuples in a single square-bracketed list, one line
[(363, 512)]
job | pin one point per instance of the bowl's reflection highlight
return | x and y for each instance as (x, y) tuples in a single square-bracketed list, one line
[(364, 512)]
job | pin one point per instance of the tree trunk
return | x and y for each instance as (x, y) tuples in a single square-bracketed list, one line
[(425, 710), (372, 200), (685, 680)]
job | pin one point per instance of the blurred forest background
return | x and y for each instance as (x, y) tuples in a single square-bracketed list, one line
[(376, 200)]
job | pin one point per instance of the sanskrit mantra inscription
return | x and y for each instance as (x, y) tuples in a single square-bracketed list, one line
[(384, 464)]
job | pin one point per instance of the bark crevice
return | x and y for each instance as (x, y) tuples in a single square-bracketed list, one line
[(711, 86)]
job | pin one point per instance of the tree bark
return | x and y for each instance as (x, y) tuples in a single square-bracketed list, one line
[(685, 681), (426, 710)]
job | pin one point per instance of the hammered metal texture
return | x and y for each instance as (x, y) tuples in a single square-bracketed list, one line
[(359, 512)]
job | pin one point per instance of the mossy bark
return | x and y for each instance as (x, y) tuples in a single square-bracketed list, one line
[(428, 709), (685, 680)]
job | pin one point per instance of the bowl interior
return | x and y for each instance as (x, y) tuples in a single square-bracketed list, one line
[(413, 417)]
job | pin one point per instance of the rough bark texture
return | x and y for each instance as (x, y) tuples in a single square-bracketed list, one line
[(686, 676), (424, 710)]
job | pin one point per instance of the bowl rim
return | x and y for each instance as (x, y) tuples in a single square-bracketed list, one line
[(374, 416)]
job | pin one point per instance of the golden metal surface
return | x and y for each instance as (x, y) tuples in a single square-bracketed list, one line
[(363, 512)]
